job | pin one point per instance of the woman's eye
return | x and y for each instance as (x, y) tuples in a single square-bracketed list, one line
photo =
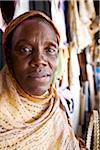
[(52, 51), (26, 50)]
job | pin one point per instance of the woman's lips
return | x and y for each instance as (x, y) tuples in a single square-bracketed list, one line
[(39, 78)]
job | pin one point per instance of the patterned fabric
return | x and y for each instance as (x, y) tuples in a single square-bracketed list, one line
[(27, 124), (93, 133)]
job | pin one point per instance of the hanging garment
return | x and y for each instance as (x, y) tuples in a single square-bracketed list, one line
[(86, 94), (57, 13), (71, 22), (75, 87), (67, 21), (81, 35), (61, 74), (97, 77), (82, 106), (87, 52), (84, 16), (66, 97), (8, 9), (65, 82), (1, 20), (90, 9), (75, 66), (82, 64), (90, 75), (1, 50), (44, 6), (91, 86), (21, 7), (95, 26)]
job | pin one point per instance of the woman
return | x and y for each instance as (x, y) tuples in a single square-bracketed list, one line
[(31, 114)]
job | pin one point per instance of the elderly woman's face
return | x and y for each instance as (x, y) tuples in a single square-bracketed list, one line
[(34, 55)]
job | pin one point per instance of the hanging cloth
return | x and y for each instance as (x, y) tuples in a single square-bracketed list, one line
[(21, 7), (59, 21), (57, 13), (82, 36), (44, 6), (90, 9), (8, 9), (82, 64), (91, 85), (75, 66), (1, 50), (67, 21), (84, 16)]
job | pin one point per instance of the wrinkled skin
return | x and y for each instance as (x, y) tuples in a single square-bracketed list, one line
[(34, 55)]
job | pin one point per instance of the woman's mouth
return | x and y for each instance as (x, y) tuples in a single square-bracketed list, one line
[(39, 78)]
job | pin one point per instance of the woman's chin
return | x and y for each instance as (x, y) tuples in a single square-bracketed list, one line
[(38, 90)]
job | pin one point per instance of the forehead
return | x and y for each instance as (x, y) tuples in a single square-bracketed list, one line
[(34, 28), (36, 25)]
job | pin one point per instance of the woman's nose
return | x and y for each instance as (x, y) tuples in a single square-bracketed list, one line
[(38, 60)]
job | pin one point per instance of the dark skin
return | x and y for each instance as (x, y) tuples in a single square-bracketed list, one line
[(34, 55)]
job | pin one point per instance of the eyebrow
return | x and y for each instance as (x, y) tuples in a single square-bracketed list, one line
[(52, 43), (21, 41)]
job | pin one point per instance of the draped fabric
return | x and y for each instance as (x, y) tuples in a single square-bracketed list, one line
[(57, 12), (84, 16), (43, 6), (7, 9), (1, 51), (21, 7), (57, 15), (67, 21), (27, 124), (90, 9), (80, 33)]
